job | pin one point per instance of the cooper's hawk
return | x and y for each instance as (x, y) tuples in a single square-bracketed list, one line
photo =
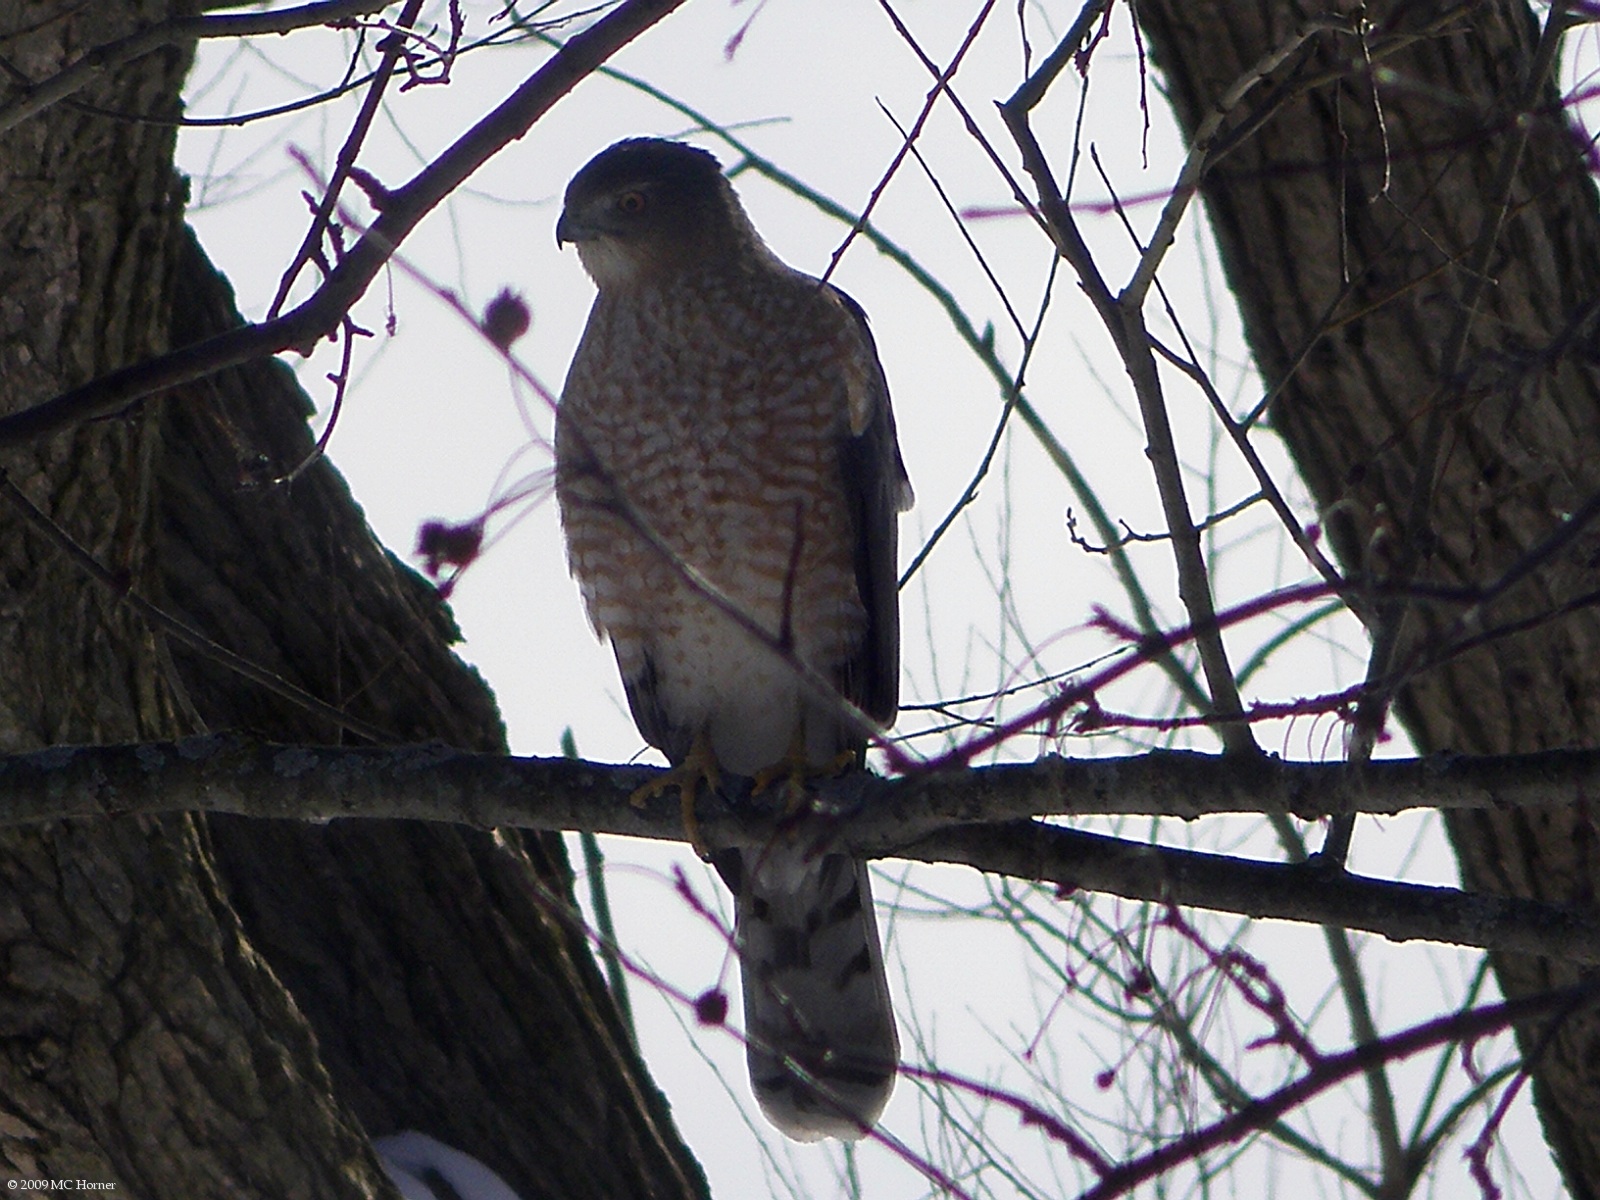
[(726, 457)]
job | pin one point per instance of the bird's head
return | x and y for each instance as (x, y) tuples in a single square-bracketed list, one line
[(647, 206)]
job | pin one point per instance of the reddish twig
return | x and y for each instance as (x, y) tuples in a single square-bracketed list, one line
[(1333, 1070)]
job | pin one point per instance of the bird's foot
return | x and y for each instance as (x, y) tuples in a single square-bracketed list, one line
[(794, 771), (699, 767)]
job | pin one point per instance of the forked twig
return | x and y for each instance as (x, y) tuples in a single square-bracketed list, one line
[(306, 324)]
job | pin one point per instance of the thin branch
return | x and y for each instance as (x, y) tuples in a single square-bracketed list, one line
[(1463, 1027), (1131, 535), (176, 31), (941, 83), (354, 140), (974, 131), (1125, 324), (970, 493), (1201, 144), (1302, 892), (1067, 49), (302, 327), (1240, 436)]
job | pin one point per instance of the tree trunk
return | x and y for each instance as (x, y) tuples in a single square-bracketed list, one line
[(1349, 225), (220, 1008)]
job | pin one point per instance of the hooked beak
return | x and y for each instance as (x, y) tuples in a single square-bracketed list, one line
[(570, 229)]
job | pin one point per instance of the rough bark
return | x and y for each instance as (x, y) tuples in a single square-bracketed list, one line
[(1350, 243), (143, 1043), (197, 1008)]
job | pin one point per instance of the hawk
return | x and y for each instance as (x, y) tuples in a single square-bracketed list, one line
[(729, 483)]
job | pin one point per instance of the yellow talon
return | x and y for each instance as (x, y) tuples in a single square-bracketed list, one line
[(700, 766), (796, 772)]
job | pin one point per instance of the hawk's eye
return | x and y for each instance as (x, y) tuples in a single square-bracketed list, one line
[(633, 201)]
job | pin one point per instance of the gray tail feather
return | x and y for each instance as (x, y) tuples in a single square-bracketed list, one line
[(822, 1046)]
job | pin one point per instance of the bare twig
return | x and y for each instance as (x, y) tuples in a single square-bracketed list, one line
[(1240, 436), (974, 131), (303, 326), (1131, 535), (1125, 323), (1044, 75), (346, 160), (941, 82), (970, 493), (175, 31), (1464, 1027), (1200, 148)]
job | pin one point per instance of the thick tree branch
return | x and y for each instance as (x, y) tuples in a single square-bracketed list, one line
[(980, 818), (233, 773)]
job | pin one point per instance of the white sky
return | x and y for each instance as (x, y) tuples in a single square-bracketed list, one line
[(432, 429)]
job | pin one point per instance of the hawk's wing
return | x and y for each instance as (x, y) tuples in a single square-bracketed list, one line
[(877, 491)]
